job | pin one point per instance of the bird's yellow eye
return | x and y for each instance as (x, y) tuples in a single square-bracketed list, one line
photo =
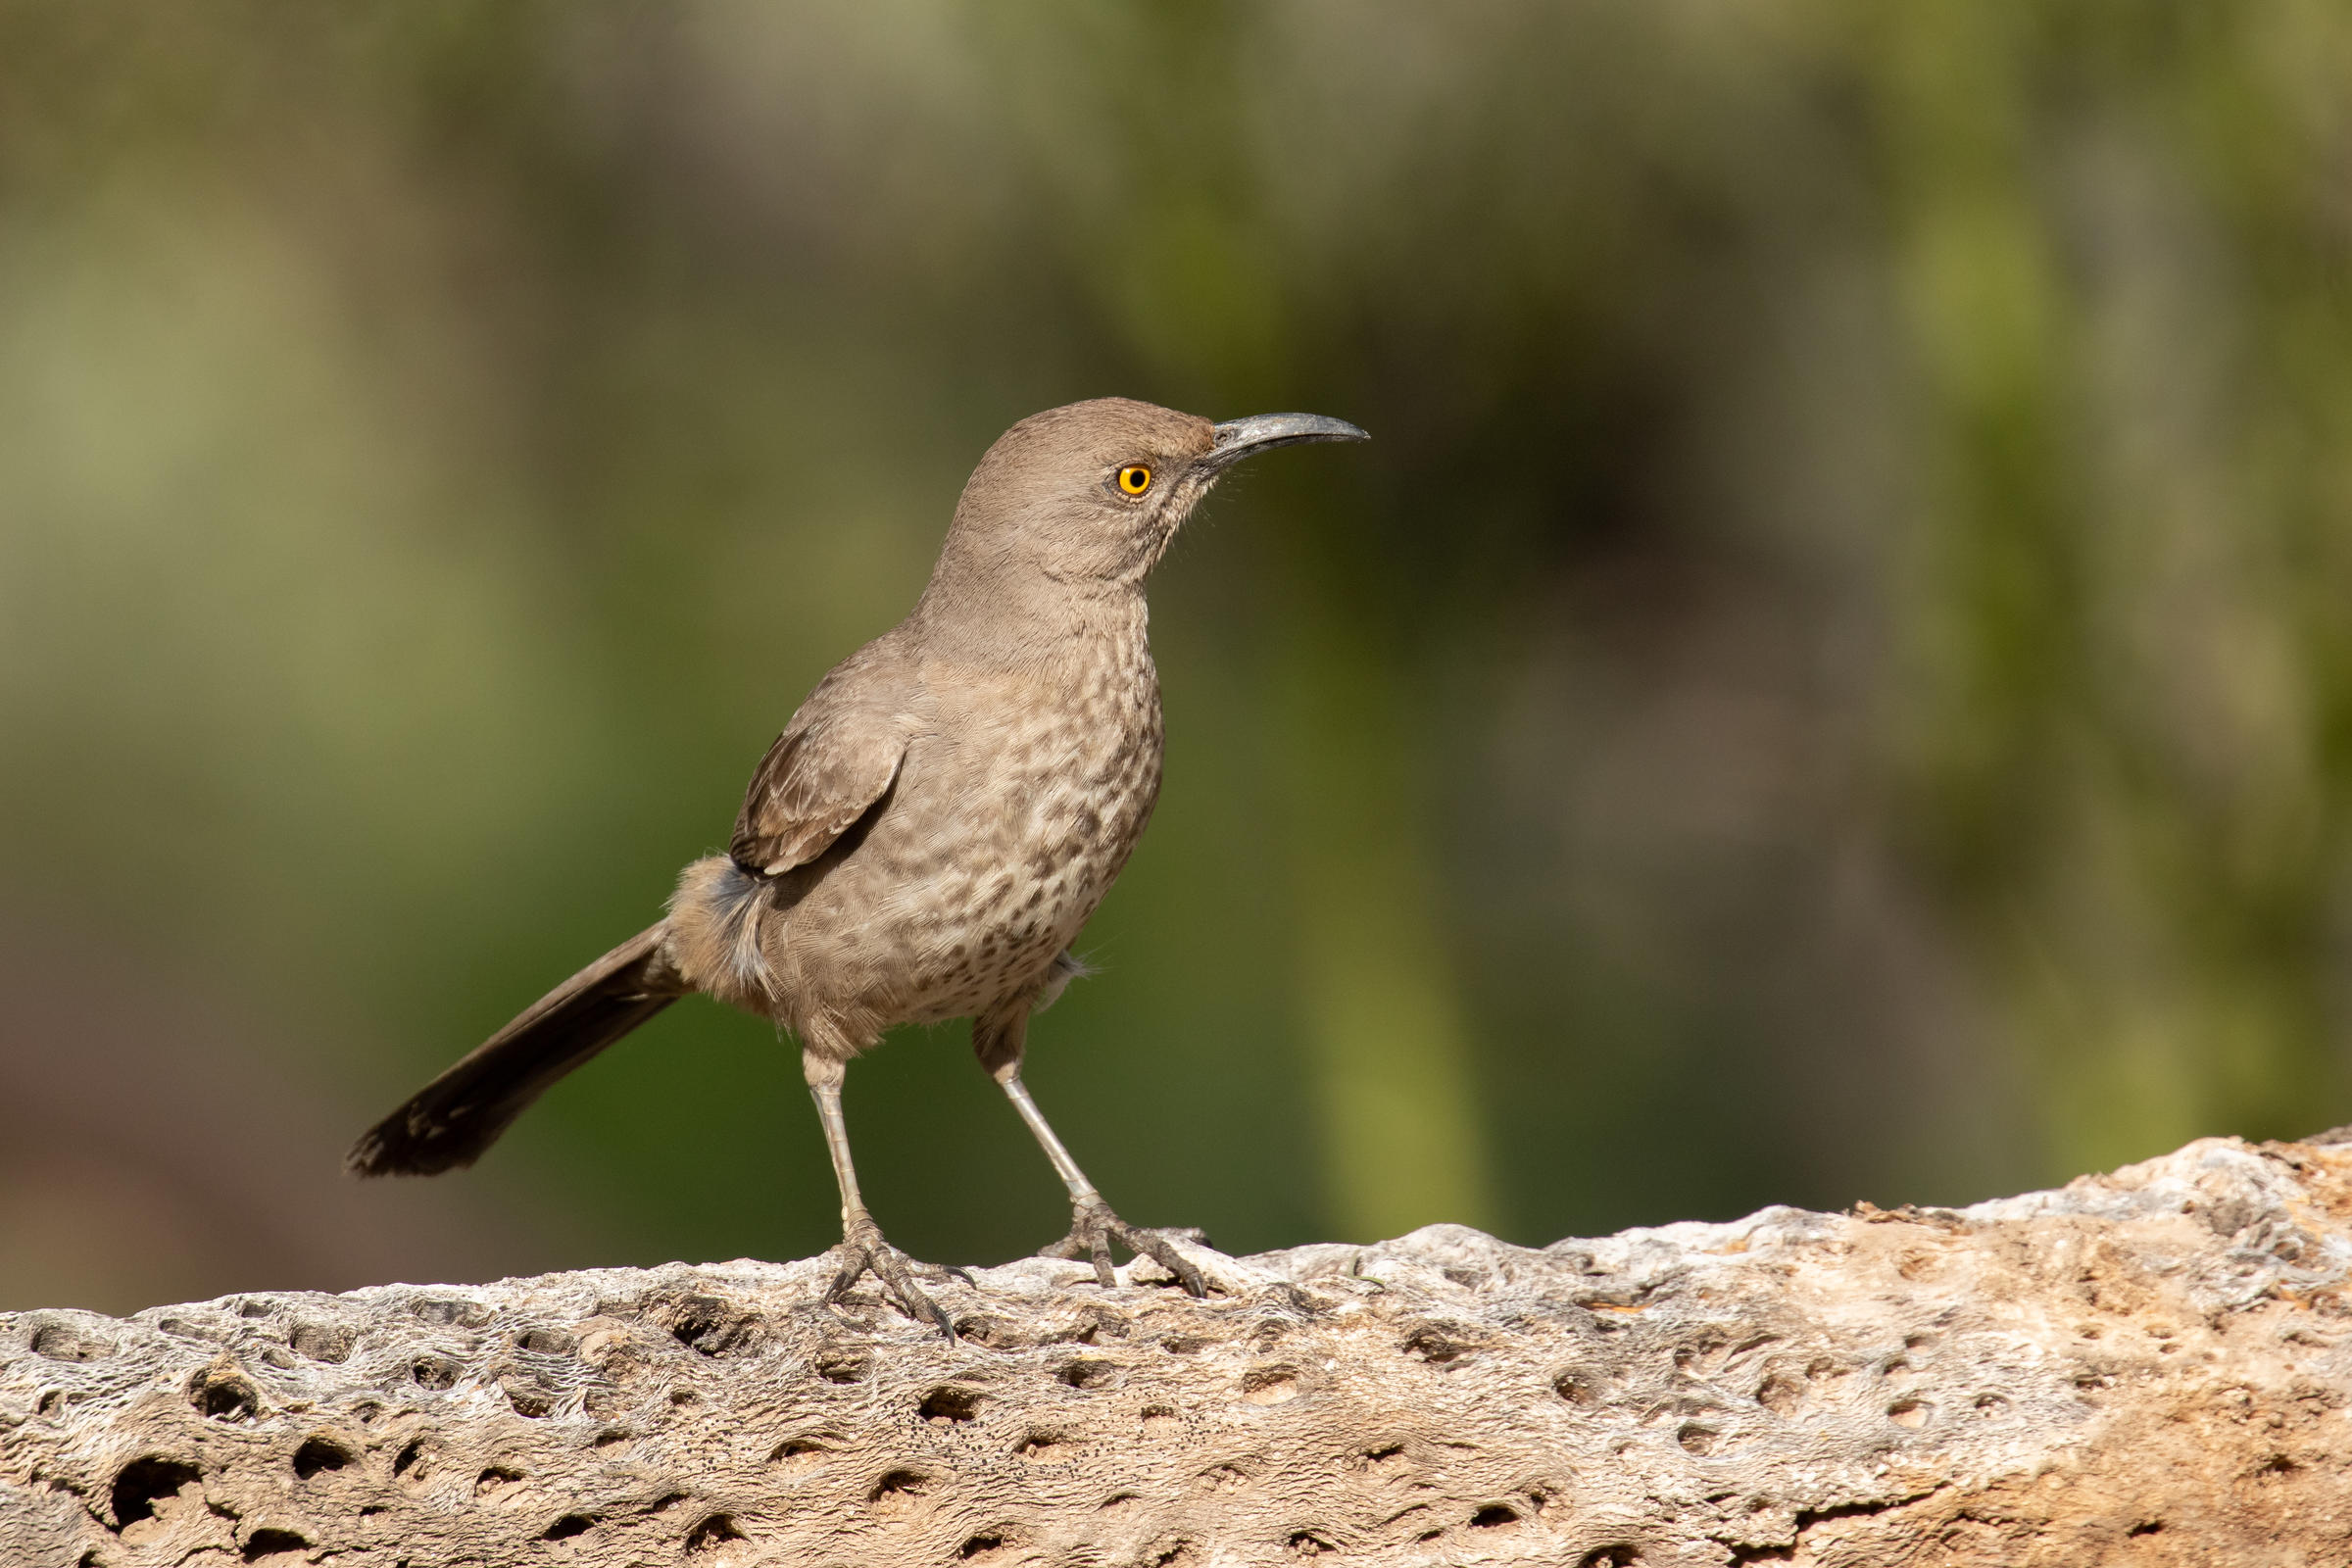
[(1135, 478)]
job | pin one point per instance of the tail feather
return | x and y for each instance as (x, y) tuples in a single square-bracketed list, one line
[(452, 1120)]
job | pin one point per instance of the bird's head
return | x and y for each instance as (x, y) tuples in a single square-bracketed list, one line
[(1093, 492)]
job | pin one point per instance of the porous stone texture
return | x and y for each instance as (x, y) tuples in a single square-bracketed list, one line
[(2148, 1367)]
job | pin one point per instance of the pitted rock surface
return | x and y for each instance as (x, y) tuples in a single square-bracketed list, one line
[(2147, 1367)]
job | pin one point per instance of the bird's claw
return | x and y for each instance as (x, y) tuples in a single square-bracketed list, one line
[(1093, 1227), (863, 1251)]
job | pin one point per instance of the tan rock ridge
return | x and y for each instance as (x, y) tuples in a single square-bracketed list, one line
[(2146, 1367)]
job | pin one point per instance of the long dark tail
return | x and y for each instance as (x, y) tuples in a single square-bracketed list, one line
[(452, 1120)]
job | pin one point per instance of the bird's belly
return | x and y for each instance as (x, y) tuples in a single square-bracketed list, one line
[(966, 891)]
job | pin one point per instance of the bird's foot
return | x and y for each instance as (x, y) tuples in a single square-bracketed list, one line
[(863, 1251), (1093, 1227)]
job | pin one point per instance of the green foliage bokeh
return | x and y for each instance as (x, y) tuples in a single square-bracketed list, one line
[(1831, 680)]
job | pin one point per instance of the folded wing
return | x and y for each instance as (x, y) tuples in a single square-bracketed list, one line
[(831, 765)]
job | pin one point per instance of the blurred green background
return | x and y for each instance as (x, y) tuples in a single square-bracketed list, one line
[(1833, 680)]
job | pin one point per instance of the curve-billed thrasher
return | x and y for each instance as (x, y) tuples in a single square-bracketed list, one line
[(930, 831)]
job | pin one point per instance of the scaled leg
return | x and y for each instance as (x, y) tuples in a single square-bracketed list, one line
[(862, 1248), (999, 1043)]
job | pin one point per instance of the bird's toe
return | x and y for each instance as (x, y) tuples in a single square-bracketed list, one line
[(1093, 1227), (863, 1251)]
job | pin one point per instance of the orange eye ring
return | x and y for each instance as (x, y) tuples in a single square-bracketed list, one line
[(1135, 479)]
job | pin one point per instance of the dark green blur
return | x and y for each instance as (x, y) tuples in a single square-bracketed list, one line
[(1832, 679)]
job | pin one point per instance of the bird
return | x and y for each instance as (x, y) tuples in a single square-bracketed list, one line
[(931, 830)]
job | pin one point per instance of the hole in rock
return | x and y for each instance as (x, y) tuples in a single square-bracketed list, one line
[(711, 1327), (798, 1453), (1307, 1544), (1039, 1447), (269, 1542), (898, 1483), (495, 1480), (435, 1372), (529, 1400), (981, 1548), (63, 1342), (948, 1404), (256, 1306), (320, 1454), (144, 1483), (570, 1525), (321, 1341), (1104, 1323), (1620, 1555), (993, 1333), (1277, 1385), (1697, 1439), (225, 1397), (1908, 1413), (546, 1342), (1086, 1374), (604, 1404), (409, 1465), (1493, 1516), (2146, 1527), (711, 1533), (838, 1368), (448, 1311)]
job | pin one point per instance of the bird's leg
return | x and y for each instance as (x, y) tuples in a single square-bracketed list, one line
[(862, 1248), (1092, 1225), (999, 1040)]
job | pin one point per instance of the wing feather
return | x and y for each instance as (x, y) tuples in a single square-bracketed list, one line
[(824, 772)]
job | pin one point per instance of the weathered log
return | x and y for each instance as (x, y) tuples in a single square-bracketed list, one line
[(2148, 1367)]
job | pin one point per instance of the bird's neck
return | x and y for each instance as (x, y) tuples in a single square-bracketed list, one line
[(1026, 620)]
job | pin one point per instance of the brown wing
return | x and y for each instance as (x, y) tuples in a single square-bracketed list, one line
[(825, 772)]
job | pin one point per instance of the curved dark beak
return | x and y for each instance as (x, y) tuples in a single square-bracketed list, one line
[(1261, 432)]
